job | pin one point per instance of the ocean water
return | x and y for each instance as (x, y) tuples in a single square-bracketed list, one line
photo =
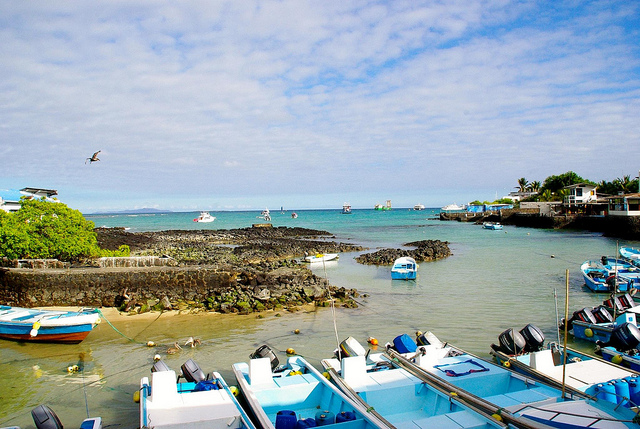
[(493, 281)]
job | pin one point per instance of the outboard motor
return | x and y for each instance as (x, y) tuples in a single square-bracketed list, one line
[(45, 418), (160, 366), (192, 372), (602, 315), (350, 347), (624, 337), (604, 260), (511, 342), (533, 337), (265, 351), (584, 315)]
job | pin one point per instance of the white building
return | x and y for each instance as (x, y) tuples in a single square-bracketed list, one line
[(10, 199), (624, 205), (580, 193)]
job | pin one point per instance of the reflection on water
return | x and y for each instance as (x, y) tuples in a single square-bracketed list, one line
[(493, 281)]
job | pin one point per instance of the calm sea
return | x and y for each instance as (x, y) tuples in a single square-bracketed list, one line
[(494, 280)]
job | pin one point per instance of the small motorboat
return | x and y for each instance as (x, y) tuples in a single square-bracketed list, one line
[(346, 208), (419, 207), (524, 352), (52, 326), (45, 418), (296, 395), (321, 257), (404, 268), (197, 401), (492, 225), (598, 326), (205, 217), (630, 254), (601, 278)]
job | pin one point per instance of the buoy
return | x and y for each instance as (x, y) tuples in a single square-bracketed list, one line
[(136, 396), (588, 332), (507, 364), (98, 320), (498, 417), (453, 394), (234, 390), (617, 359), (372, 341), (553, 256), (290, 351), (327, 375), (296, 331), (150, 344), (156, 358), (35, 327), (418, 333), (70, 369)]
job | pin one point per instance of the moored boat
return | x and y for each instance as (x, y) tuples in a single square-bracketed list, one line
[(609, 275), (630, 254), (419, 207), (296, 395), (198, 401), (597, 324), (492, 225), (45, 418), (205, 217), (321, 257), (520, 401), (524, 352), (404, 268), (53, 326), (453, 208)]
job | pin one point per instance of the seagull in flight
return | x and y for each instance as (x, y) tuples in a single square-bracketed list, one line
[(93, 158)]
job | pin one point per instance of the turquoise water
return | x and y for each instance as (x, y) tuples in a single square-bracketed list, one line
[(493, 281)]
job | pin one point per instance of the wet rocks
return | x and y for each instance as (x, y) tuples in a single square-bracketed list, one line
[(425, 250)]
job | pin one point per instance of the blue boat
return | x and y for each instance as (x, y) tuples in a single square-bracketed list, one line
[(492, 225), (597, 325), (198, 401), (396, 395), (524, 352), (52, 326), (601, 278), (631, 255), (517, 400), (404, 268), (296, 395)]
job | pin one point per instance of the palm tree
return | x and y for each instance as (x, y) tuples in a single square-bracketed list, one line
[(534, 186), (624, 184), (522, 184)]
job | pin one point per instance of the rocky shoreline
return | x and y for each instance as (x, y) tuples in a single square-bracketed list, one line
[(226, 271)]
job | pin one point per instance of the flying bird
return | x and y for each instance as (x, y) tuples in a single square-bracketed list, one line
[(93, 158)]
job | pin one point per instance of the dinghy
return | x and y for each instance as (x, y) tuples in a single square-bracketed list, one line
[(296, 395), (33, 325), (321, 257), (404, 268), (525, 353), (199, 401)]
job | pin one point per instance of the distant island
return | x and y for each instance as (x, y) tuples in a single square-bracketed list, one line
[(146, 210)]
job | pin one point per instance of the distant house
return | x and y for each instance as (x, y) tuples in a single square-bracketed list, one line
[(580, 193), (519, 196), (10, 199), (624, 205)]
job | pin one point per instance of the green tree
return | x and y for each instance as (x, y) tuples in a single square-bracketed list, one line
[(556, 183), (534, 186), (522, 184), (44, 229)]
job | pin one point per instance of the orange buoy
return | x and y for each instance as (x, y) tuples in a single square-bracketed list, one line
[(372, 341)]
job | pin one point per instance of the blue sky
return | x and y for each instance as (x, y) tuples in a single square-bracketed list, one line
[(226, 105)]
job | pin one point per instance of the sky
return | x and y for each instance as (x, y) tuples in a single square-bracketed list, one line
[(241, 105)]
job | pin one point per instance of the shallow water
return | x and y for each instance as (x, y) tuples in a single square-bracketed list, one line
[(493, 281)]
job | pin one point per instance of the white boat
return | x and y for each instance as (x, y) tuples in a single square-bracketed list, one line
[(492, 225), (321, 257), (346, 208), (200, 401), (418, 207), (205, 217), (45, 418), (631, 254), (453, 207), (296, 395), (404, 268), (265, 214)]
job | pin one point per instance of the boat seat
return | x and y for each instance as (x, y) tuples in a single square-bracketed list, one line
[(164, 388), (260, 371), (542, 361), (354, 371), (433, 354)]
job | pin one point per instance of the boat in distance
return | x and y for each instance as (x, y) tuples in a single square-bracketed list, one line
[(404, 268), (199, 401), (321, 257), (205, 217), (346, 208), (419, 207), (492, 225), (296, 395), (52, 326)]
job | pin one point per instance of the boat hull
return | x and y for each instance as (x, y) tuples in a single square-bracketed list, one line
[(56, 336)]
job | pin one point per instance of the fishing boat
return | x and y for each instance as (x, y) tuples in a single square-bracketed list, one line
[(597, 324), (620, 265), (346, 208), (524, 352), (393, 394), (519, 400), (205, 217), (599, 278), (45, 418), (419, 207), (321, 257), (630, 254), (296, 395), (492, 225), (192, 400), (381, 207), (52, 326), (404, 268), (265, 214)]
